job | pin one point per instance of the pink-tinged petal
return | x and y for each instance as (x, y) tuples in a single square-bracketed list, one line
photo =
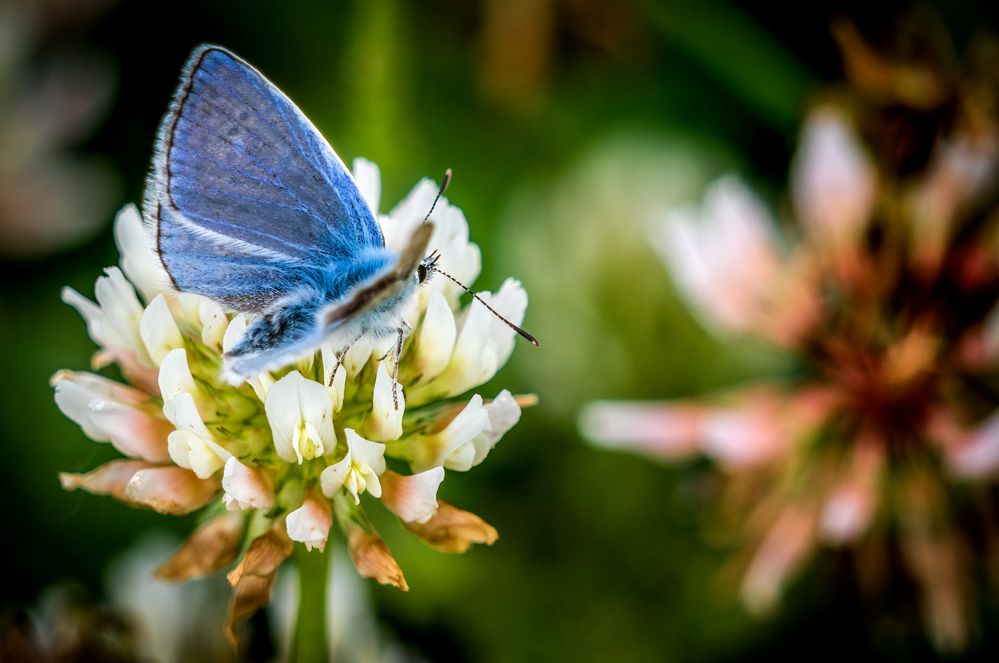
[(212, 547), (135, 433), (849, 510), (763, 423), (170, 490), (959, 171), (311, 522), (743, 437), (246, 487), (412, 498), (977, 455), (109, 479), (782, 551), (723, 255), (111, 412), (253, 577), (833, 184), (452, 530), (663, 430)]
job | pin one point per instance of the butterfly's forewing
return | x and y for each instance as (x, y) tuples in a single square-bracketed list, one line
[(242, 181)]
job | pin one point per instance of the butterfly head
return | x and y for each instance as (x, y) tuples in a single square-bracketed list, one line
[(427, 267)]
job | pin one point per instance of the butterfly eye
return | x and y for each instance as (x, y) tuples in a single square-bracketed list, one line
[(421, 272)]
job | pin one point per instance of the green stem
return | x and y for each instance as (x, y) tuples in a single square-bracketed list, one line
[(309, 641)]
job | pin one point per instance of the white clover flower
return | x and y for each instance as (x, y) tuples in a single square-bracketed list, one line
[(281, 452), (357, 471)]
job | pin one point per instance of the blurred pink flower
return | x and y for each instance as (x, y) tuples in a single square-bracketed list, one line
[(885, 295)]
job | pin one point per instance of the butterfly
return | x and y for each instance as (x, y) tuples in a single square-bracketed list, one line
[(252, 207)]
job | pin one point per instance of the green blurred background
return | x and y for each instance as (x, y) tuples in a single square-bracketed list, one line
[(568, 124)]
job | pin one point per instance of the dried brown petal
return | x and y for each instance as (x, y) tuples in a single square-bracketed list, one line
[(253, 576), (452, 530), (108, 479), (212, 547), (373, 560)]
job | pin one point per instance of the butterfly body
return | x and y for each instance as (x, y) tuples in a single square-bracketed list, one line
[(252, 207), (291, 321)]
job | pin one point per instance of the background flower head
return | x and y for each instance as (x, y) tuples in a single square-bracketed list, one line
[(877, 436)]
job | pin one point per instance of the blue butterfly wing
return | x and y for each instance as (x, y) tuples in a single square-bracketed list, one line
[(240, 281), (244, 190)]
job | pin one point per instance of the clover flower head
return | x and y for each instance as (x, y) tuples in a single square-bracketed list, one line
[(883, 297), (277, 458)]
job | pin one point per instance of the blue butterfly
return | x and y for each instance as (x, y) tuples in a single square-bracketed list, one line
[(251, 207)]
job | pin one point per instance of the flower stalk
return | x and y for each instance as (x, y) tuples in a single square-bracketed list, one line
[(309, 643)]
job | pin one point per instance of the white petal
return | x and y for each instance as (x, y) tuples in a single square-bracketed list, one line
[(214, 323), (121, 311), (462, 458), (384, 423), (474, 359), (455, 446), (366, 452), (138, 260), (89, 311), (369, 183), (357, 356), (333, 477), (437, 337), (405, 216), (180, 448), (339, 381), (175, 376), (195, 453), (293, 401), (234, 332), (183, 414), (510, 302), (471, 421), (158, 329), (503, 413)]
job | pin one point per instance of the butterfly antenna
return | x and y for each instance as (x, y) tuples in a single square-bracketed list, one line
[(509, 324), (440, 192)]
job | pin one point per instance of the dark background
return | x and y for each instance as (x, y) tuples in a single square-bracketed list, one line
[(566, 124)]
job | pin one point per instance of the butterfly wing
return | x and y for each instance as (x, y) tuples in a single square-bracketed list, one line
[(244, 190)]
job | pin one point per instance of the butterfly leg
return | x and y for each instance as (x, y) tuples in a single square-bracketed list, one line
[(340, 356), (402, 334)]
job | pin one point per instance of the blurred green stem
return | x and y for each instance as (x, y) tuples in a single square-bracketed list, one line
[(309, 642)]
